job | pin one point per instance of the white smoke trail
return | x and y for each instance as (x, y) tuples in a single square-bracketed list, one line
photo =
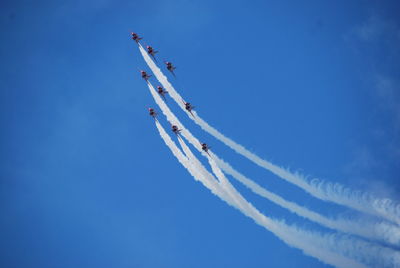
[(211, 185), (369, 251), (312, 244), (199, 166), (385, 257), (383, 231), (347, 246), (372, 230), (334, 192)]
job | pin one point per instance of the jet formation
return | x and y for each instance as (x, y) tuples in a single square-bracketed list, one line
[(162, 92)]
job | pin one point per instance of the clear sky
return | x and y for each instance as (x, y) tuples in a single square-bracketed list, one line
[(86, 181)]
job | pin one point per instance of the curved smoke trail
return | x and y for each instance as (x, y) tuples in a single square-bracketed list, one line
[(310, 243), (371, 230), (346, 246), (383, 231), (334, 192)]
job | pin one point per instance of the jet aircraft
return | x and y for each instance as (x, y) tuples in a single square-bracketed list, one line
[(136, 37), (205, 148), (188, 107), (151, 52), (162, 92), (152, 113), (145, 76), (176, 130), (170, 67)]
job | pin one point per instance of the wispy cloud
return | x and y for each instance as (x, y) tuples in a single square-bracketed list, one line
[(388, 92), (377, 27), (376, 42)]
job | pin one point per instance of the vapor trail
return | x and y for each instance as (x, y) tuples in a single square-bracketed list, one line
[(333, 192), (370, 253), (312, 244), (212, 185), (382, 231), (346, 245)]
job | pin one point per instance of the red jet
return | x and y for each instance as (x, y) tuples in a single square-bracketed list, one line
[(170, 67), (162, 92), (188, 107), (136, 37), (152, 113), (145, 76), (176, 130), (151, 52), (205, 147)]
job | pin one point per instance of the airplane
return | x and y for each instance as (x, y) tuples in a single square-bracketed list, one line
[(152, 113), (170, 67), (145, 76), (151, 52), (162, 92), (188, 107), (136, 37), (205, 148), (176, 130)]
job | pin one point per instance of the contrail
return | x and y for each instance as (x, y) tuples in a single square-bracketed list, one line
[(212, 186), (199, 166), (383, 231), (334, 192), (380, 231), (310, 243), (346, 245), (327, 191)]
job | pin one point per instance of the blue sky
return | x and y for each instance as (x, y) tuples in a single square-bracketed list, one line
[(86, 180)]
